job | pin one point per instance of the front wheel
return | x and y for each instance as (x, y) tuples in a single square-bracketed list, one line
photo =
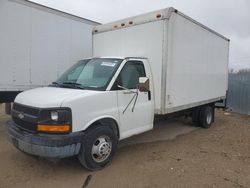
[(98, 148)]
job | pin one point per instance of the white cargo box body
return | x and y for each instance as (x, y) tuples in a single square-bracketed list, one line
[(38, 43), (189, 61)]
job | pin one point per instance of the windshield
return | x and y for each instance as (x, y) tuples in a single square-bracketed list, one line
[(89, 74)]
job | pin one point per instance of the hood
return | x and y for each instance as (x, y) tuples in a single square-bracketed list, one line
[(49, 97)]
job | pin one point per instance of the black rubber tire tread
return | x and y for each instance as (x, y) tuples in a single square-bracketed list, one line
[(203, 116), (85, 157)]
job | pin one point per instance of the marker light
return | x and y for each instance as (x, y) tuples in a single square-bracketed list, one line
[(158, 16)]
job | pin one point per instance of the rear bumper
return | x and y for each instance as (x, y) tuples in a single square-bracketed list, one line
[(45, 145)]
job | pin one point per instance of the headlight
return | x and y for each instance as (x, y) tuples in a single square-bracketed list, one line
[(54, 115), (55, 120)]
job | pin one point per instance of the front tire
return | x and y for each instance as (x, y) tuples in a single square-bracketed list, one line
[(98, 148)]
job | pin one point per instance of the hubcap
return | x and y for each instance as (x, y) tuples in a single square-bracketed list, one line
[(101, 149), (209, 117)]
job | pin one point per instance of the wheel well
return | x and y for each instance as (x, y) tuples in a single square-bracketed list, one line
[(109, 122)]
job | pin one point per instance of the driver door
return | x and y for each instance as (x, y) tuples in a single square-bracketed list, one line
[(135, 107)]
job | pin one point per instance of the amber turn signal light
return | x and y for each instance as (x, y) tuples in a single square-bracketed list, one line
[(53, 128)]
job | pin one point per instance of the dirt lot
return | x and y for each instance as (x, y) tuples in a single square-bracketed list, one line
[(217, 157)]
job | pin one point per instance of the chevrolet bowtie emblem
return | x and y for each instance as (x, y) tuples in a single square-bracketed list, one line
[(21, 115)]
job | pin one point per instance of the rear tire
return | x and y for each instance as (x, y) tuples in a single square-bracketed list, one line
[(206, 117), (98, 148)]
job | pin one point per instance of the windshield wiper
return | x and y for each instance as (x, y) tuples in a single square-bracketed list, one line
[(54, 84), (72, 85)]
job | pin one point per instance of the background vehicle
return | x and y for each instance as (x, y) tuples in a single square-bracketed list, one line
[(163, 63), (37, 45)]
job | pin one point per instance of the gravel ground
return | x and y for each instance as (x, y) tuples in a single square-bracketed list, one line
[(217, 157)]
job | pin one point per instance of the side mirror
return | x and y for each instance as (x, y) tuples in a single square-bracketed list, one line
[(143, 84)]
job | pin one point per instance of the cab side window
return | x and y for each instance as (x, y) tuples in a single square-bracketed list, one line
[(130, 74)]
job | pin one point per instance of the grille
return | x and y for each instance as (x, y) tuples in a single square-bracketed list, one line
[(28, 126), (25, 109), (29, 121)]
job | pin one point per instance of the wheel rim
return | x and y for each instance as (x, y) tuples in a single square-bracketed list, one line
[(101, 149), (209, 117)]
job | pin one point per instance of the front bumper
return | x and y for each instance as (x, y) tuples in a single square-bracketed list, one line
[(45, 145)]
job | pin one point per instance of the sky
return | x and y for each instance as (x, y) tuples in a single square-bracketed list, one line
[(231, 18)]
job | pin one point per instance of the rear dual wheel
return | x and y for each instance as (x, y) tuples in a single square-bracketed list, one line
[(203, 116)]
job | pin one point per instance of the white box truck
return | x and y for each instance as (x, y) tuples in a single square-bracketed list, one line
[(37, 44), (159, 63)]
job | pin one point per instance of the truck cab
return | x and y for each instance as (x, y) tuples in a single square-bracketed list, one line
[(92, 106)]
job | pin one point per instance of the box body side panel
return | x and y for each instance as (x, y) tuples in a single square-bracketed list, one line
[(197, 65)]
